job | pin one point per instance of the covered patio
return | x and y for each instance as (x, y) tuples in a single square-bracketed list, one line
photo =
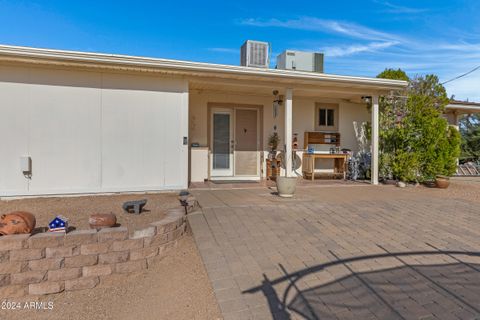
[(231, 119), (358, 252)]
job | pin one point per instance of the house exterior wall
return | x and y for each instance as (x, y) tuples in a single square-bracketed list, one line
[(198, 113), (303, 119), (91, 131)]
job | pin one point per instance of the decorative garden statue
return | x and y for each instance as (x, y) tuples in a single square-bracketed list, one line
[(359, 164), (16, 223), (361, 135), (102, 220)]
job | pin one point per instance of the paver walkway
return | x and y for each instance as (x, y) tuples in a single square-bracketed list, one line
[(356, 252)]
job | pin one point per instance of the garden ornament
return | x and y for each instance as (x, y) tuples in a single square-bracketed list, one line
[(135, 206), (59, 224), (102, 220), (17, 222)]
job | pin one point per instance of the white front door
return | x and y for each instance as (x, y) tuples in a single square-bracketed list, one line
[(222, 143)]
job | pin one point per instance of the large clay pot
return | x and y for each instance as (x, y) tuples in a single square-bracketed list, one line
[(102, 220), (442, 182), (286, 186), (17, 222)]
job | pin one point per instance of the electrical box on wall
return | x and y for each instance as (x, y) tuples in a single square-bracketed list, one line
[(26, 164)]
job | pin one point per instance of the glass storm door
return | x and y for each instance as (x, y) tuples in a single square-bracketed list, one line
[(222, 143)]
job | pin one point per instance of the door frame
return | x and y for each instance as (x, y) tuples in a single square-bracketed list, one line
[(211, 106)]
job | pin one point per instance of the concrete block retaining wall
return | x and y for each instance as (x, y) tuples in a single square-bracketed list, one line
[(48, 263)]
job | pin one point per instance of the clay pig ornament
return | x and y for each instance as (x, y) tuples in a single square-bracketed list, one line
[(17, 222), (102, 220)]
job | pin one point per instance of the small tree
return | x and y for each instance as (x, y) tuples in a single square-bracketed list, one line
[(469, 127), (396, 161), (416, 142), (393, 74)]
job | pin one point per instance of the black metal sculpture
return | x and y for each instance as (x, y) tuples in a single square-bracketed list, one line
[(135, 206)]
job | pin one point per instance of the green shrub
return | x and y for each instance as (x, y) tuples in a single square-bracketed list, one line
[(416, 142), (470, 132)]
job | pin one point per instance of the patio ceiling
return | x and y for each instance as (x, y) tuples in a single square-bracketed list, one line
[(262, 88)]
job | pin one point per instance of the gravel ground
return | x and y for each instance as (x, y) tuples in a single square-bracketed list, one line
[(78, 209), (465, 188), (175, 288)]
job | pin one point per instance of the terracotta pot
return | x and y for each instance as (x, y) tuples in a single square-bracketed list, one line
[(442, 182), (102, 220), (17, 222), (286, 186)]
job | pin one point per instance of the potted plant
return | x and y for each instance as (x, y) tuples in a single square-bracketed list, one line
[(286, 185), (442, 181), (273, 141)]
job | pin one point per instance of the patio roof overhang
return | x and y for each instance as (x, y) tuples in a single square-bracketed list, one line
[(463, 107), (207, 76)]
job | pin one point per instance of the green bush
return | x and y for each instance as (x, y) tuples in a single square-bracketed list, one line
[(416, 142), (470, 132)]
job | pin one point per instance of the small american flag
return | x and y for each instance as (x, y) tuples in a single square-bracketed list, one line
[(59, 224)]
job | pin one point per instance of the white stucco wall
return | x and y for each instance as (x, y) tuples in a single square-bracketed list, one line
[(91, 131), (303, 118), (198, 116)]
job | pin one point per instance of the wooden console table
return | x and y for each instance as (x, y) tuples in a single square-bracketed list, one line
[(340, 165)]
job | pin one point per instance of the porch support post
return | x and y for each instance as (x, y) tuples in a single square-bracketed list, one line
[(288, 131), (456, 123), (375, 128)]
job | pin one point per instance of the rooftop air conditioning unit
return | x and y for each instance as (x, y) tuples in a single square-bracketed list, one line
[(300, 60), (255, 54)]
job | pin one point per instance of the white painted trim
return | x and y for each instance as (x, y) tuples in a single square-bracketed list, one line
[(74, 192), (462, 107), (288, 131), (116, 61), (375, 128)]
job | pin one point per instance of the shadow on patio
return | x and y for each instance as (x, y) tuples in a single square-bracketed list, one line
[(407, 291)]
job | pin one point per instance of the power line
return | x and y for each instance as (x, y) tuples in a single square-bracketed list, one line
[(462, 75)]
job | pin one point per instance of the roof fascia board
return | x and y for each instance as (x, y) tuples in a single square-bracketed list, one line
[(188, 67), (462, 107)]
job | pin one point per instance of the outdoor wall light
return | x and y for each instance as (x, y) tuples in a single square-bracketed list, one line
[(367, 99)]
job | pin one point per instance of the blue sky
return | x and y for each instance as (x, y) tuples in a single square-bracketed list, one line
[(357, 37)]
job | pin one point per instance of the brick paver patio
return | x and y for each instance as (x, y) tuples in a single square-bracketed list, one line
[(352, 252)]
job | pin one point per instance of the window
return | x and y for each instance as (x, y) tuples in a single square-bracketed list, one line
[(326, 117)]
